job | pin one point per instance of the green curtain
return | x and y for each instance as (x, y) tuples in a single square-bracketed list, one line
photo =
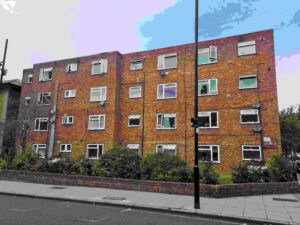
[(202, 59), (246, 83), (213, 85), (167, 123)]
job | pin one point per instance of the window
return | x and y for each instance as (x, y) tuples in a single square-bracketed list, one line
[(44, 98), (98, 94), (41, 124), (246, 48), (99, 67), (94, 151), (165, 91), (209, 153), (135, 92), (96, 122), (208, 55), (136, 64), (169, 149), (67, 120), (135, 147), (72, 67), (29, 78), (167, 61), (248, 81), (39, 149), (207, 87), (65, 148), (166, 121), (134, 120), (27, 100), (249, 116), (45, 74), (208, 119), (251, 152), (70, 93)]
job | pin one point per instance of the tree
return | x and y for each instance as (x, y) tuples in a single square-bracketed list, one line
[(290, 129)]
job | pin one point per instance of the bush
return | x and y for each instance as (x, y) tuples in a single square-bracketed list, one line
[(25, 160), (250, 172), (118, 162), (3, 164), (61, 165), (164, 167), (207, 173), (281, 168), (85, 166)]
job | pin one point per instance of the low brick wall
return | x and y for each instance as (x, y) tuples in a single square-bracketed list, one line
[(216, 191)]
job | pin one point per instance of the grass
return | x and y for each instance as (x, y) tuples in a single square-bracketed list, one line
[(225, 179)]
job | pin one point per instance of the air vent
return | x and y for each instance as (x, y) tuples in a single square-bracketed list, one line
[(257, 128)]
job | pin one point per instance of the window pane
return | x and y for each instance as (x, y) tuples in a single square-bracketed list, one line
[(251, 154), (160, 91), (134, 122), (203, 88), (248, 82), (43, 125), (172, 122), (203, 58), (204, 121), (170, 92), (96, 68), (92, 153), (205, 155), (159, 149), (213, 85), (171, 152), (215, 153), (214, 119), (250, 118), (171, 62)]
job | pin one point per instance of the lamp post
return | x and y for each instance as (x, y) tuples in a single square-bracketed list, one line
[(3, 70), (195, 123)]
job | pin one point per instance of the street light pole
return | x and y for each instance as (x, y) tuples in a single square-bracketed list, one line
[(195, 120), (3, 71)]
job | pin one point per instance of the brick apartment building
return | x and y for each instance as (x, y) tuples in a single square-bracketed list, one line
[(144, 100)]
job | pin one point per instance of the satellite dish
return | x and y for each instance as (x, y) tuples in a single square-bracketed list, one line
[(102, 103)]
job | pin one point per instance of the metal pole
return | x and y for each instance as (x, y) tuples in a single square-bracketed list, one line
[(3, 62), (196, 167)]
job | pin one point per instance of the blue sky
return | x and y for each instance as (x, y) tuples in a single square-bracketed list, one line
[(44, 30)]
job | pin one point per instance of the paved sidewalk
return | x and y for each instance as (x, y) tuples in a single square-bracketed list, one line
[(280, 209)]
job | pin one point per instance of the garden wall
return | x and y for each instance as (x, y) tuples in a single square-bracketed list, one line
[(216, 191)]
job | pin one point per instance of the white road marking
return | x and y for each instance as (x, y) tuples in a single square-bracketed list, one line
[(90, 221), (25, 210), (125, 210)]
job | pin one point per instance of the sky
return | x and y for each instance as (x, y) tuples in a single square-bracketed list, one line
[(44, 30)]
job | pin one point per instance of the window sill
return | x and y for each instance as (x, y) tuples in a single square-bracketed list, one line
[(248, 54), (250, 123), (65, 151), (135, 97), (248, 88), (208, 95), (203, 128), (98, 73), (40, 130), (171, 68), (166, 98), (203, 64), (96, 129), (166, 128), (134, 126)]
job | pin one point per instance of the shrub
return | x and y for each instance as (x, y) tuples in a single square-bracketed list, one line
[(250, 172), (281, 168), (85, 166), (207, 173), (3, 164), (25, 160), (61, 165), (165, 167), (118, 162)]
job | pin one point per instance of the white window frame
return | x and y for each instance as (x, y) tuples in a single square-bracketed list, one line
[(249, 112), (99, 127), (26, 101), (211, 152), (103, 63), (248, 76), (244, 44), (70, 93), (98, 156), (134, 117), (101, 97), (136, 64), (164, 87), (39, 119), (209, 113), (30, 78), (161, 61), (166, 146), (71, 68), (135, 147), (44, 74), (208, 82), (66, 147), (35, 148), (40, 98), (66, 120), (165, 115), (211, 58), (259, 149), (138, 91)]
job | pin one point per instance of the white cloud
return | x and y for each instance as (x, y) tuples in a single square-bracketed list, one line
[(8, 5)]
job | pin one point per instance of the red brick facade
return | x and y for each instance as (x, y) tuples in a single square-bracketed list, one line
[(230, 135)]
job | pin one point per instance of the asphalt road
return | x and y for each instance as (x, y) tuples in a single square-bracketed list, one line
[(15, 210)]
